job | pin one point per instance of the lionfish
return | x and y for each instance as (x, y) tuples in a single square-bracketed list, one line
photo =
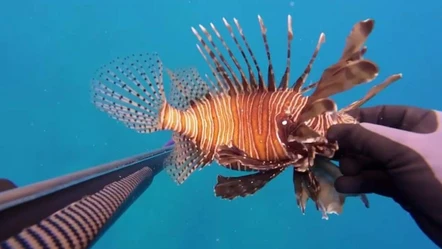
[(245, 123)]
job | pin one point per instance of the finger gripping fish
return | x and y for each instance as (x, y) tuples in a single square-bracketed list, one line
[(244, 122)]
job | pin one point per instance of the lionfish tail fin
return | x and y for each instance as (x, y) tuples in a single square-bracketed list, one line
[(130, 90)]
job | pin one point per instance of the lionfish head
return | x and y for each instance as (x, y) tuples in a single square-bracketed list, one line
[(301, 131), (301, 142)]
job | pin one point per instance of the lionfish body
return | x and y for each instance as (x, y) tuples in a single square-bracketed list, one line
[(245, 123), (250, 121)]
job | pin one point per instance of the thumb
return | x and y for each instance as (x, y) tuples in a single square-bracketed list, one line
[(373, 141)]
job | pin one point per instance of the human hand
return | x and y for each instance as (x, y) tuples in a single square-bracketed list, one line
[(395, 152)]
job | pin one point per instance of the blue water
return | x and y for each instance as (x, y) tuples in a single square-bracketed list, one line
[(49, 50)]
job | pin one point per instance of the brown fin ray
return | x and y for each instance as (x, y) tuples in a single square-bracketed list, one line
[(252, 78), (304, 134), (313, 144), (301, 80), (187, 86), (309, 183), (232, 154), (327, 199), (242, 186), (296, 130), (185, 158), (238, 167), (271, 87), (301, 193), (351, 69), (261, 84), (316, 108), (357, 37), (284, 84), (309, 87), (245, 85), (219, 78), (358, 55), (223, 70), (372, 92), (344, 78)]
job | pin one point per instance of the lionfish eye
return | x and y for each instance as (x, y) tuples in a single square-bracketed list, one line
[(284, 122)]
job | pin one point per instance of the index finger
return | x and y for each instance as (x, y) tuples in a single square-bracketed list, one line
[(406, 118)]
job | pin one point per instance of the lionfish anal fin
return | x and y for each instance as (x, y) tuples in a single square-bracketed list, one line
[(185, 158), (226, 155), (232, 187)]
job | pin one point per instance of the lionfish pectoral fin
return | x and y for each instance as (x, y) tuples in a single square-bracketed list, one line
[(358, 55), (327, 149), (185, 158), (357, 38), (372, 92), (345, 77), (316, 108), (231, 154), (309, 183), (353, 50), (315, 143), (242, 186), (329, 200), (300, 192), (306, 135), (228, 154), (332, 171)]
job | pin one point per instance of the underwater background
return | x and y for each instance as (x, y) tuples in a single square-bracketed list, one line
[(49, 51)]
